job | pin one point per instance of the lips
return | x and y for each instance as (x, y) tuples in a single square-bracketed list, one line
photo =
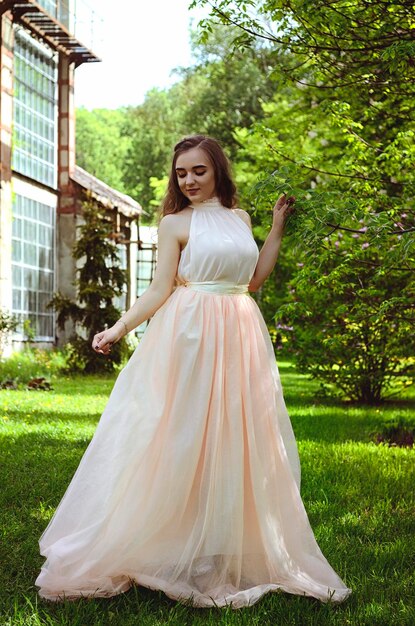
[(192, 191)]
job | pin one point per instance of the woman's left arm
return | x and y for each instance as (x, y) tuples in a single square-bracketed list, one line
[(269, 251)]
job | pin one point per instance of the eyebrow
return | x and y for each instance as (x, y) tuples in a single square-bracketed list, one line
[(178, 169)]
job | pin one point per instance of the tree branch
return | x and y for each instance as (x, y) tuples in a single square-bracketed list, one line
[(227, 18), (315, 169), (350, 230)]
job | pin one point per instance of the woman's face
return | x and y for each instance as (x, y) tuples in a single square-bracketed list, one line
[(195, 175)]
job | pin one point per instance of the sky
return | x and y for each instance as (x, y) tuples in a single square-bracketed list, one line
[(140, 42)]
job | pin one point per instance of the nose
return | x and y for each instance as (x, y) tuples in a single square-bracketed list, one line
[(190, 179)]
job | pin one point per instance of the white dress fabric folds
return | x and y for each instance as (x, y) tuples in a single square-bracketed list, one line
[(191, 482)]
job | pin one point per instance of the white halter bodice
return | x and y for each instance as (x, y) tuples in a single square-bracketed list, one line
[(220, 249)]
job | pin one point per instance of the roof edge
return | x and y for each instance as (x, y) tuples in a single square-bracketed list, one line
[(107, 196)]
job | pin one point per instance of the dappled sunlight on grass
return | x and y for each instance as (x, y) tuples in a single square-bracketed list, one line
[(359, 497)]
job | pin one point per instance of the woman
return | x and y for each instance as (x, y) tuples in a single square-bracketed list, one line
[(191, 481)]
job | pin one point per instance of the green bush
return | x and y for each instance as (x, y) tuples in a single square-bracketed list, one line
[(21, 367), (344, 335), (8, 324)]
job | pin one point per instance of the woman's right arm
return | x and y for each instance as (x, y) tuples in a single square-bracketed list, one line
[(168, 255)]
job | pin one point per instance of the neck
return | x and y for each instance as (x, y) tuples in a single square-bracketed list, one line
[(213, 201)]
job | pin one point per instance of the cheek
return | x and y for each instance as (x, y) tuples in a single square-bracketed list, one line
[(212, 181)]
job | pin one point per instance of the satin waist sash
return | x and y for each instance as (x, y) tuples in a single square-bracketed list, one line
[(217, 287)]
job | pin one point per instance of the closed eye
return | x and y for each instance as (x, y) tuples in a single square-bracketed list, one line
[(182, 174)]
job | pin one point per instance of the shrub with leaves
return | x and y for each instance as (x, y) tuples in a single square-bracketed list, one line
[(352, 328), (100, 279), (8, 324)]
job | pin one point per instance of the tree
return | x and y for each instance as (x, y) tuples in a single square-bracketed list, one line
[(339, 135), (99, 281), (154, 128), (224, 91), (214, 96), (102, 144)]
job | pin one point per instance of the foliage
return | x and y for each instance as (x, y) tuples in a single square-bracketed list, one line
[(8, 324), (154, 127), (214, 96), (313, 99), (344, 334), (224, 91), (99, 281), (102, 144), (29, 330), (359, 497), (339, 135), (21, 367)]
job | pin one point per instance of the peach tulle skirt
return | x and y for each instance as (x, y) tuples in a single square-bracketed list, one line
[(191, 483)]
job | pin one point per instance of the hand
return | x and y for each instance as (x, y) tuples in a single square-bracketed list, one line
[(103, 341), (282, 209)]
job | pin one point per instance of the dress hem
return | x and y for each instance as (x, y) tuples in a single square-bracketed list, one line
[(233, 599)]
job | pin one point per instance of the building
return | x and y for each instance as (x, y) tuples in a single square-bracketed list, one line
[(42, 43)]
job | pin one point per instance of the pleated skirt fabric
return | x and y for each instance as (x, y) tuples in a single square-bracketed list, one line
[(191, 483)]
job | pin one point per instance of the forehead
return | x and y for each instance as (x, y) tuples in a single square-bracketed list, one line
[(189, 159)]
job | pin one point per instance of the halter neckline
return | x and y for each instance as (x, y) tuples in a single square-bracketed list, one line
[(210, 203)]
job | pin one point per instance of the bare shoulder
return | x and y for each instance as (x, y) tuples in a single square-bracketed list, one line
[(174, 221), (168, 222), (177, 224), (244, 215)]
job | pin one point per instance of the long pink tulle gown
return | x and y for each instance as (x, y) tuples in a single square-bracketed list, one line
[(191, 481)]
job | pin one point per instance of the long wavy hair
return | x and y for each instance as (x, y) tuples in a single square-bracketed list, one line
[(225, 189)]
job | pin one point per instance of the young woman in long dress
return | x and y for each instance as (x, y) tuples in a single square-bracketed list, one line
[(191, 482)]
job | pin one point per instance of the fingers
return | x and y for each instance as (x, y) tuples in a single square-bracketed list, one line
[(285, 203), (100, 345), (280, 202), (290, 204), (104, 350), (107, 349)]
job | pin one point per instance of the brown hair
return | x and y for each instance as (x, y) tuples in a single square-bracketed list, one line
[(175, 200)]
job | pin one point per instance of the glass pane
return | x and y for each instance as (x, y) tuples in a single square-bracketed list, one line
[(16, 276), (45, 282), (17, 299), (29, 231), (17, 228), (32, 299), (29, 278), (43, 301), (33, 263), (45, 325), (16, 251), (45, 214), (35, 110), (33, 321), (29, 254)]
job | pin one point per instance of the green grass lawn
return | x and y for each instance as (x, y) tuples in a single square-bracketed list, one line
[(359, 496)]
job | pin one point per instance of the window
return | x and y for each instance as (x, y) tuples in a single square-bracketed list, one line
[(49, 5), (33, 263), (35, 110), (57, 8)]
